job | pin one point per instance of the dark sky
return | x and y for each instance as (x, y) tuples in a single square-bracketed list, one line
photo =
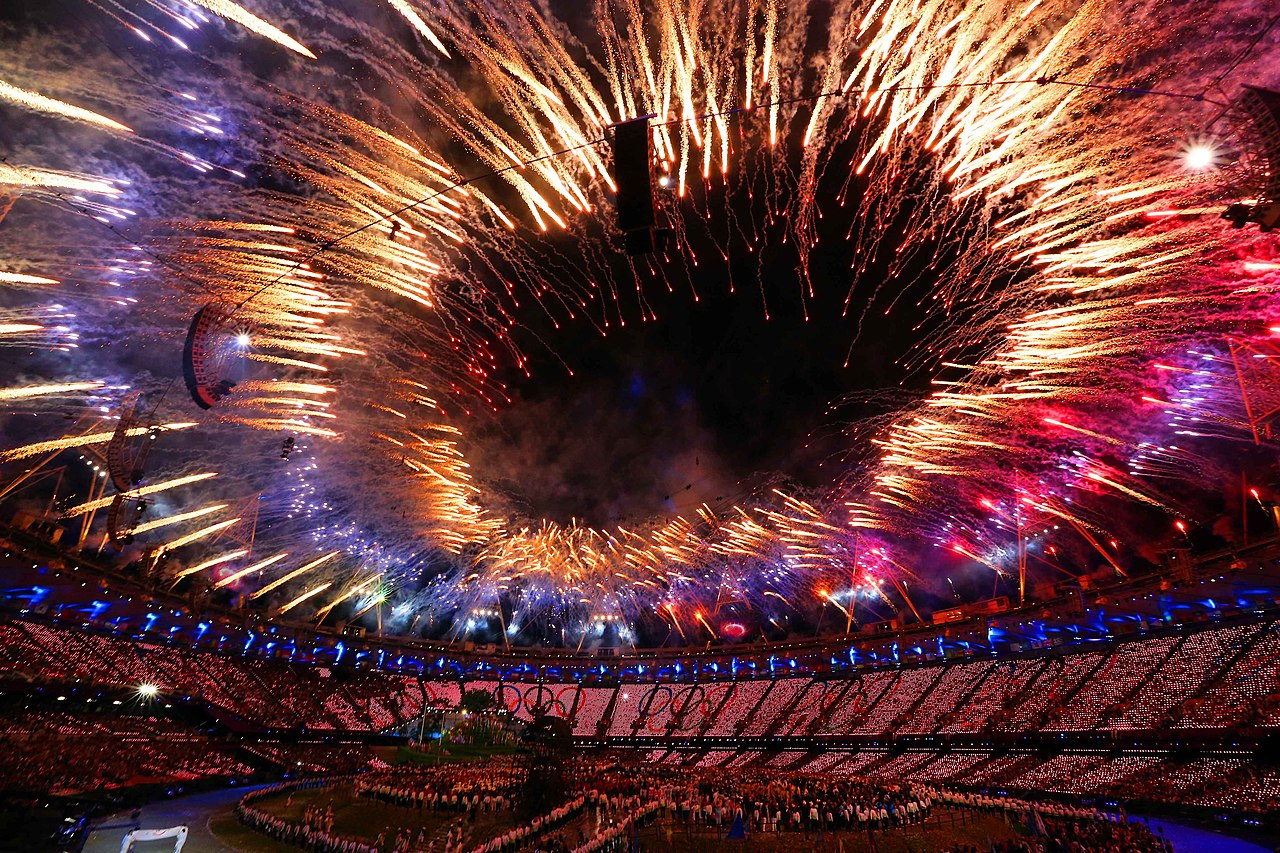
[(701, 404), (711, 400)]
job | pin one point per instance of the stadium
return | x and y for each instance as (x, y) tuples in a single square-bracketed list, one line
[(593, 426)]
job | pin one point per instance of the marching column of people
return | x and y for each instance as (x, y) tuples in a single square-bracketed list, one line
[(624, 797), (315, 833), (468, 788)]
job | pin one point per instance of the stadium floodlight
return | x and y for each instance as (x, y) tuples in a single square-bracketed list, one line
[(1199, 156)]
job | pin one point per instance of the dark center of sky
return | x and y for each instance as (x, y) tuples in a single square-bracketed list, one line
[(707, 403)]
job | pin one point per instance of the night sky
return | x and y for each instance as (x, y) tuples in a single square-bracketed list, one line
[(708, 402)]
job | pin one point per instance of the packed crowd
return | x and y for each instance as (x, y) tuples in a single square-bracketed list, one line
[(271, 694), (624, 797), (1220, 782), (765, 800), (1188, 680), (468, 788), (1213, 678), (316, 759), (65, 753), (531, 834), (618, 834)]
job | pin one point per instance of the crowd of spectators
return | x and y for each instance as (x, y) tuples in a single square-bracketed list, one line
[(1247, 693), (698, 707), (741, 700), (1233, 783), (591, 706), (267, 693), (1213, 678), (995, 697), (1196, 680), (907, 688), (945, 696), (1105, 695), (316, 758), (1047, 698), (774, 704), (1196, 660), (864, 691), (811, 709), (65, 753)]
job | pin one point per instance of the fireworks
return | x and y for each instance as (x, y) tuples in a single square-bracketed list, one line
[(248, 570), (1088, 304), (143, 491), (49, 106), (251, 22), (29, 179), (296, 573), (30, 391), (157, 523), (23, 278), (82, 441)]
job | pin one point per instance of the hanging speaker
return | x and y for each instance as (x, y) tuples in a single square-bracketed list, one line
[(632, 174)]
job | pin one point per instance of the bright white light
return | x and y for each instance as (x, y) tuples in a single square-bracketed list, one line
[(148, 690), (242, 340), (1200, 156), (664, 181)]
